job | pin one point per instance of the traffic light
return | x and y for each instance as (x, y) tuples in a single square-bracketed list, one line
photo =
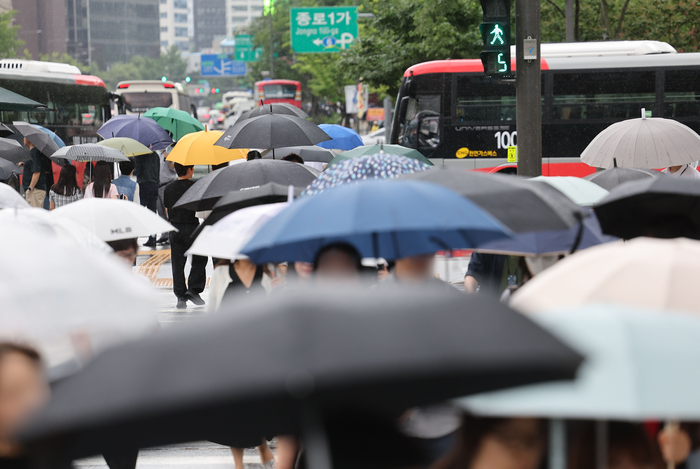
[(214, 90), (495, 32), (188, 79), (163, 78)]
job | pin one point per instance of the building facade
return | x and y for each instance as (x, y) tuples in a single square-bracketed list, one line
[(209, 22), (176, 24), (42, 25), (240, 13)]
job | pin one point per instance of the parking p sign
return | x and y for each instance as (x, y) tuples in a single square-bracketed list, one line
[(323, 29)]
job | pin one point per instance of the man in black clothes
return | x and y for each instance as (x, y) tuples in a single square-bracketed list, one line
[(147, 174), (180, 241)]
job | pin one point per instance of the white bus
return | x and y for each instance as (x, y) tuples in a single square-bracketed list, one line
[(138, 96)]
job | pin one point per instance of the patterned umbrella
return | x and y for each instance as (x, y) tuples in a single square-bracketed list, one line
[(380, 166), (374, 149), (90, 152)]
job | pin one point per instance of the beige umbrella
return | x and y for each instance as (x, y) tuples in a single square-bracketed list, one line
[(643, 273), (651, 143)]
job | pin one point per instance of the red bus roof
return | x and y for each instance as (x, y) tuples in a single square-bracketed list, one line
[(277, 82), (89, 80), (455, 66)]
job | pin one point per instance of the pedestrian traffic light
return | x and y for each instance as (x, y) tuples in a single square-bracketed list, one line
[(495, 32)]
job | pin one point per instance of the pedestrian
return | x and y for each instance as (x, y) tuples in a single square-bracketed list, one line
[(417, 270), (126, 250), (294, 158), (338, 262), (101, 185), (147, 173), (126, 186), (628, 447), (180, 241), (66, 190), (253, 155), (494, 273), (166, 176), (685, 171), (34, 176)]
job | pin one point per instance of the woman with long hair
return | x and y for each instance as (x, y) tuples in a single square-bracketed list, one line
[(66, 190), (101, 185)]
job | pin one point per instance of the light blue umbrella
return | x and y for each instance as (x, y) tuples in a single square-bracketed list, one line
[(342, 138), (57, 140), (640, 365)]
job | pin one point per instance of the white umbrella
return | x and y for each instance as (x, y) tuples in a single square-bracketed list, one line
[(580, 191), (69, 302), (114, 219), (225, 238), (10, 198), (90, 152), (645, 273), (651, 143)]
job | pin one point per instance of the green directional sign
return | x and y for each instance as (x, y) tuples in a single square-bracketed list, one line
[(323, 29), (244, 46)]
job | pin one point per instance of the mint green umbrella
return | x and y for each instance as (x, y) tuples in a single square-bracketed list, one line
[(379, 149), (178, 123)]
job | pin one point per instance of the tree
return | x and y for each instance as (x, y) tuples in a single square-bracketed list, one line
[(10, 44)]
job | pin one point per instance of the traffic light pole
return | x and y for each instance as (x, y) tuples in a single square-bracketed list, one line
[(528, 88)]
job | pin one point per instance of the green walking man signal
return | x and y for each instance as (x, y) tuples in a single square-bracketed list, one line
[(495, 32)]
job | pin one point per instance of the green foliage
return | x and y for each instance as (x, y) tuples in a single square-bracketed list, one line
[(674, 21), (10, 44)]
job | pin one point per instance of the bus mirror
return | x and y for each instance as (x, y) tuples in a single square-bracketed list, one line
[(403, 107)]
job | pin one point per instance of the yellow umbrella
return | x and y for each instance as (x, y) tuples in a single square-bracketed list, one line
[(198, 148)]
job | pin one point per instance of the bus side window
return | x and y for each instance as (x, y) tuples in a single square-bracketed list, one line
[(682, 93)]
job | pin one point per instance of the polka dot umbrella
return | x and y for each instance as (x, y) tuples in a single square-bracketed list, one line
[(379, 166)]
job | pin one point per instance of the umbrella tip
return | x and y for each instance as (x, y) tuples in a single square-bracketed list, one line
[(614, 162), (644, 113)]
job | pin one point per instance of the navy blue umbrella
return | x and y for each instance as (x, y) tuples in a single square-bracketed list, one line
[(389, 219), (342, 138), (141, 129)]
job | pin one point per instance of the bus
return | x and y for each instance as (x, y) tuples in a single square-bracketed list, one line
[(456, 116), (78, 104), (138, 96), (278, 91)]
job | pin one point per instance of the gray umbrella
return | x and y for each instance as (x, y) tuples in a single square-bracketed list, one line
[(275, 108), (13, 151), (40, 139), (89, 152), (7, 169), (613, 177)]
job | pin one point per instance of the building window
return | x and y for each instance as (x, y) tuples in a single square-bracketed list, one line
[(180, 17), (182, 45), (239, 19), (239, 8), (180, 3), (257, 8), (181, 32), (164, 43), (164, 14), (163, 29)]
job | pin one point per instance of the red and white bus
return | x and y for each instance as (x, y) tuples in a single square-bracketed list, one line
[(456, 116), (278, 91)]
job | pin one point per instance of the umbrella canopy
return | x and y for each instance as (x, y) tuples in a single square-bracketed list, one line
[(10, 101), (258, 367), (40, 139), (90, 152), (342, 138), (275, 108), (580, 191), (643, 143), (13, 151), (113, 219), (178, 123), (643, 273), (374, 149), (613, 177), (127, 146), (389, 219), (56, 139), (310, 154), (362, 168), (198, 148), (272, 131), (664, 207), (640, 365), (242, 177), (141, 129), (10, 198), (226, 238), (7, 169), (523, 206)]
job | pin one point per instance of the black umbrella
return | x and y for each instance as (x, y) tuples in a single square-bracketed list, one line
[(40, 139), (311, 153), (241, 177), (263, 365), (13, 151), (5, 131), (11, 101), (661, 207), (272, 131), (276, 108), (523, 206), (613, 177), (7, 169)]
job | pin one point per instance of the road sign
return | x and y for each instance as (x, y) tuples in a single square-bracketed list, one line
[(221, 65), (323, 29)]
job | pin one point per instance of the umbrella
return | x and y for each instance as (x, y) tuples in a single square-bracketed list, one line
[(56, 139), (40, 139), (7, 169), (310, 154), (74, 293), (90, 152), (13, 151), (10, 198), (580, 191), (643, 143), (272, 131), (128, 146), (613, 177), (363, 168), (242, 177), (113, 219), (642, 273), (523, 206), (276, 108), (10, 101), (178, 123), (199, 148), (664, 207), (640, 365), (389, 219), (388, 149), (143, 129), (226, 238), (342, 138), (266, 364)]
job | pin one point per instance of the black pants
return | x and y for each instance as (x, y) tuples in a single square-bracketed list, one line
[(148, 194), (180, 242)]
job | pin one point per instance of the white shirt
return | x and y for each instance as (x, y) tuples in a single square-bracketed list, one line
[(686, 171)]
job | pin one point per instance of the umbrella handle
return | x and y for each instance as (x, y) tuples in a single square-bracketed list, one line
[(315, 440)]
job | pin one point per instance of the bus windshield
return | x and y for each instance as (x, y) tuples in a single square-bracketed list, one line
[(142, 102), (279, 91)]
